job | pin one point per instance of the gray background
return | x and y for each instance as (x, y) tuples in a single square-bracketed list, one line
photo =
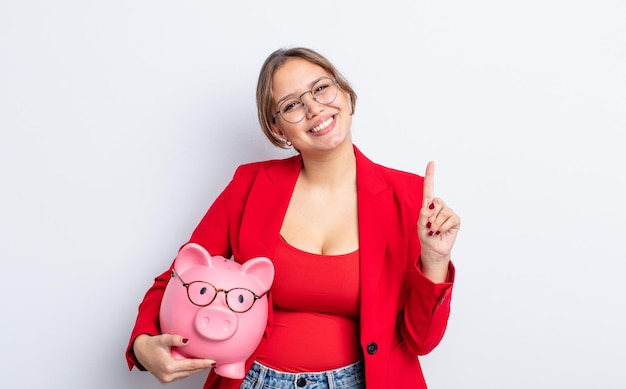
[(122, 120)]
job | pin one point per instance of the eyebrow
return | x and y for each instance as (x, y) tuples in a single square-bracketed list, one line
[(293, 95)]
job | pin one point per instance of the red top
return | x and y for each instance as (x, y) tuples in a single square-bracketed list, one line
[(316, 311)]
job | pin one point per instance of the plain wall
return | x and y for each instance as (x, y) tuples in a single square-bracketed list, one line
[(121, 121)]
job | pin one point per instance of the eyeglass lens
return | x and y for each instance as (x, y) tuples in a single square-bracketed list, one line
[(324, 91)]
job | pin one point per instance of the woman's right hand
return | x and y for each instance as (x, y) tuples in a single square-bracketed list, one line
[(153, 352)]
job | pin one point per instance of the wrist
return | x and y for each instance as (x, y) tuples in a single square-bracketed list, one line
[(137, 344), (435, 270)]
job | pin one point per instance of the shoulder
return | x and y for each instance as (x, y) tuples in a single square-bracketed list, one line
[(394, 177), (399, 176), (248, 171)]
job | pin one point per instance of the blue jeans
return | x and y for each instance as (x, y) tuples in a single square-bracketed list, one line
[(263, 377)]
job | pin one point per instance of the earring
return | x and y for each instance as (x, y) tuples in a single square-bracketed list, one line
[(288, 143)]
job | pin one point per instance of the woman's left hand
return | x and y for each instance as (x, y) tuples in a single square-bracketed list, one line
[(437, 228)]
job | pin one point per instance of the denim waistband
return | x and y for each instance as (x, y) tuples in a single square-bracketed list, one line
[(347, 377)]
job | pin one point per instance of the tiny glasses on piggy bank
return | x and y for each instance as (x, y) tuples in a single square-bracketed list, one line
[(202, 293)]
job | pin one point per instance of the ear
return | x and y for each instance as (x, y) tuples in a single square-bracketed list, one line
[(190, 255), (277, 131), (260, 268)]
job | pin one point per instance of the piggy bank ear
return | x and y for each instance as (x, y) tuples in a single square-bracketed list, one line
[(190, 255), (260, 268)]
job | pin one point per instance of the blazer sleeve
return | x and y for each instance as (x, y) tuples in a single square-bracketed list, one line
[(213, 234), (426, 306), (147, 321)]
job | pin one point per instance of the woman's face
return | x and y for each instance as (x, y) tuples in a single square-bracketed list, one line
[(325, 127)]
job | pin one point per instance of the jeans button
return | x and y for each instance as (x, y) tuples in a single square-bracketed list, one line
[(301, 382)]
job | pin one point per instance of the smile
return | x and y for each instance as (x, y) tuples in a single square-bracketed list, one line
[(323, 125)]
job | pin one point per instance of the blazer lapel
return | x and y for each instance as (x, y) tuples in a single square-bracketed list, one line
[(374, 202), (266, 206)]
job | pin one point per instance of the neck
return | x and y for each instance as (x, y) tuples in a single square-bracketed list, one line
[(338, 167)]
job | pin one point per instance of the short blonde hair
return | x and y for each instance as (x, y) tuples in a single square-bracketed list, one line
[(264, 98)]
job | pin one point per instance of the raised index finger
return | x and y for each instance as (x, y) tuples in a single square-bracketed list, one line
[(429, 184)]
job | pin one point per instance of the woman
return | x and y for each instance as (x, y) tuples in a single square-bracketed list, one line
[(362, 252)]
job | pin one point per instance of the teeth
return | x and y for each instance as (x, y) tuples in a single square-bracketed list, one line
[(323, 125)]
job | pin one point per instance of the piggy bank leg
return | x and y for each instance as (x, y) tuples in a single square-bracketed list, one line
[(231, 370)]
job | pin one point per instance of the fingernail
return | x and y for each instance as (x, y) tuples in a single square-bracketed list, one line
[(428, 224), (185, 340), (431, 206), (430, 233), (438, 232)]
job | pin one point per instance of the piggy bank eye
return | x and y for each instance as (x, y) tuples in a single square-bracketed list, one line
[(201, 293), (240, 300)]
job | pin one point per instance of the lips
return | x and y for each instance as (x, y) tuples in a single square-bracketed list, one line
[(323, 125)]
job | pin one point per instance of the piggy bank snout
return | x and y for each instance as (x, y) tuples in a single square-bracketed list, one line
[(216, 322)]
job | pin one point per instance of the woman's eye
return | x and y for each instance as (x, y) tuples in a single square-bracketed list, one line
[(290, 106), (321, 88)]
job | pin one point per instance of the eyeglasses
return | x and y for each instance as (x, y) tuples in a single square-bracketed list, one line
[(202, 293), (292, 110)]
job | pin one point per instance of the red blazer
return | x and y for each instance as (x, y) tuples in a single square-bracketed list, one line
[(403, 313)]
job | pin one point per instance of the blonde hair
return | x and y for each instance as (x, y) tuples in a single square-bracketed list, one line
[(264, 98)]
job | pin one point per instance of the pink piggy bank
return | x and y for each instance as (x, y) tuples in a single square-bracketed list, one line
[(219, 305)]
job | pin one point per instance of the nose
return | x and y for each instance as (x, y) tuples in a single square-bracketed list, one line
[(312, 106)]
